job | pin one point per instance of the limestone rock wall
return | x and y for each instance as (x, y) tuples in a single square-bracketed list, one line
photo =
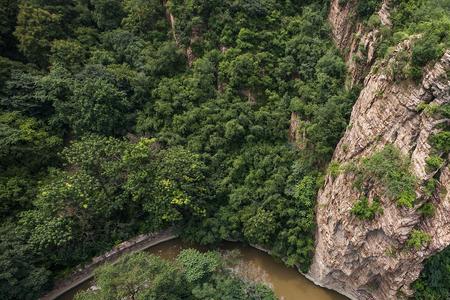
[(368, 259), (356, 41)]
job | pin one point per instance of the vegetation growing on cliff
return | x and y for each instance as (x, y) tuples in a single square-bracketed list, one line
[(389, 169), (434, 280), (193, 275), (417, 239), (427, 23), (117, 119), (365, 211)]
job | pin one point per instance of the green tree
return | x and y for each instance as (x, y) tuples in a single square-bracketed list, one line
[(145, 18), (138, 276), (36, 28), (181, 187), (197, 266), (8, 15), (96, 106), (434, 281), (107, 13), (20, 277), (25, 142), (260, 228), (193, 275), (68, 53), (26, 149)]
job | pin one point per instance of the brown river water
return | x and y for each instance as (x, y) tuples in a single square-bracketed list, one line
[(287, 283)]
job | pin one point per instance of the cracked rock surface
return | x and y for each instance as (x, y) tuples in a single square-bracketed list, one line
[(368, 259)]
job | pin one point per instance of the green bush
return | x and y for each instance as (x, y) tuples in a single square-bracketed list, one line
[(427, 210), (367, 8), (434, 281), (365, 211), (426, 49), (193, 275), (430, 187), (444, 109), (390, 169), (418, 239), (334, 169), (374, 21), (425, 20), (441, 141), (406, 199)]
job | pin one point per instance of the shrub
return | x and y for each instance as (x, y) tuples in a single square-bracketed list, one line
[(434, 281), (374, 21), (427, 210), (367, 8), (406, 199), (390, 169), (444, 109), (426, 49), (418, 239), (441, 141), (428, 108), (334, 169), (365, 211), (430, 187)]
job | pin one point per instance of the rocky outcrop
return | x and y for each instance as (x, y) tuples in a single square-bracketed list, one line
[(368, 259), (356, 40)]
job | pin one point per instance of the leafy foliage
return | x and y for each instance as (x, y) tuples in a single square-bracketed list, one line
[(426, 23), (26, 149), (21, 277), (198, 265), (441, 141), (434, 280), (417, 239), (139, 276), (365, 9), (36, 28), (434, 162), (389, 168), (118, 119), (365, 211)]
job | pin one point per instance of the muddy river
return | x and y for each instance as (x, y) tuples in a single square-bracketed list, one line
[(286, 282)]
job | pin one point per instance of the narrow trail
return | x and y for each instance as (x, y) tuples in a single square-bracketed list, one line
[(84, 273)]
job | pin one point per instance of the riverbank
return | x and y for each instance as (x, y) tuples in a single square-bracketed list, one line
[(139, 243), (86, 272)]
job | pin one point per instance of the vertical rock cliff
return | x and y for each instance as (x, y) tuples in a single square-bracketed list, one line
[(356, 41), (369, 259)]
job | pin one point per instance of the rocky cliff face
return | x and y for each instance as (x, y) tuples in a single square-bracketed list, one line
[(356, 41), (368, 259)]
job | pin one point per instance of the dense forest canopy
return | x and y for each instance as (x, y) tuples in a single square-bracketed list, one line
[(126, 117), (120, 117)]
